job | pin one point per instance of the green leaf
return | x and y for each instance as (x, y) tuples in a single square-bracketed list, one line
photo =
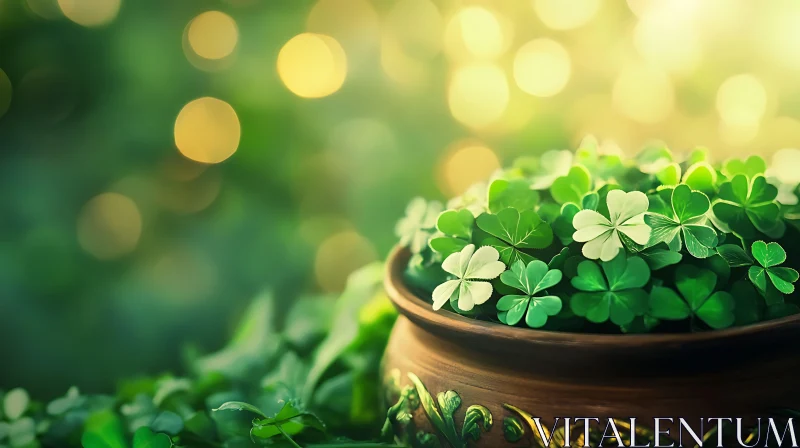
[(446, 245), (474, 417), (513, 429), (103, 429), (667, 304), (768, 255), (15, 403), (695, 285), (746, 308), (573, 186), (167, 422), (748, 207), (516, 194), (514, 230), (145, 438), (670, 174), (779, 310), (22, 432), (685, 219), (660, 258), (701, 176), (530, 279), (717, 310), (589, 278), (540, 308), (456, 223), (240, 406), (291, 419), (734, 255), (562, 225), (688, 204), (753, 166), (514, 307), (625, 272), (618, 296)]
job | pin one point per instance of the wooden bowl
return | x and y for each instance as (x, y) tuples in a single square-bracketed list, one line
[(502, 377)]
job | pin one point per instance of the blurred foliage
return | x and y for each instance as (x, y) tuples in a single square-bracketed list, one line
[(315, 379), (163, 161)]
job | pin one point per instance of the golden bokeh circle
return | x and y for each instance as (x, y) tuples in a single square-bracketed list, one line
[(465, 164), (478, 94), (338, 256), (542, 67), (213, 35), (312, 65), (566, 14), (90, 12), (741, 100), (207, 130), (109, 226)]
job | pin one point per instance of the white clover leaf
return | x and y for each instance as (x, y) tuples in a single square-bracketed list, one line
[(470, 266), (475, 199), (419, 223), (553, 164), (602, 235)]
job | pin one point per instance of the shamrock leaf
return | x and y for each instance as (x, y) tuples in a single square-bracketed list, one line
[(660, 258), (769, 256), (654, 158), (571, 187), (685, 224), (670, 174), (146, 438), (415, 228), (602, 235), (513, 231), (734, 255), (701, 176), (470, 266), (746, 308), (290, 420), (562, 225), (615, 293), (753, 166), (515, 194), (697, 298), (531, 279), (456, 225), (748, 206), (475, 199), (552, 165)]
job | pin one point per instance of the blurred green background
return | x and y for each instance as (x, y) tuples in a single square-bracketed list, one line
[(165, 161)]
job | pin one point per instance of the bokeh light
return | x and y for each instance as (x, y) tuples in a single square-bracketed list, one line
[(566, 14), (213, 35), (465, 164), (476, 32), (90, 12), (6, 91), (46, 9), (109, 226), (353, 23), (644, 94), (786, 165), (312, 65), (542, 67), (207, 130), (338, 256), (668, 43), (424, 39), (478, 94), (741, 100)]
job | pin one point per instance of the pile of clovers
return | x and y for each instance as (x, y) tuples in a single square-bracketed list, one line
[(312, 382), (593, 241)]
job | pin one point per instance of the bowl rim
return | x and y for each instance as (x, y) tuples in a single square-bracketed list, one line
[(448, 323)]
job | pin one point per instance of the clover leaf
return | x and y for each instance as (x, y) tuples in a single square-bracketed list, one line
[(515, 194), (571, 187), (614, 293), (670, 174), (753, 166), (417, 226), (562, 224), (475, 199), (660, 258), (513, 231), (654, 158), (146, 438), (456, 225), (701, 176), (697, 299), (470, 266), (769, 256), (531, 279), (685, 224), (602, 235), (734, 255), (747, 206), (552, 165)]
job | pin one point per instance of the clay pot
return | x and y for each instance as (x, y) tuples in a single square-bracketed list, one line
[(493, 379)]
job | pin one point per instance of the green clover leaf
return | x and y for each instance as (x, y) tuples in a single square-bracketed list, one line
[(615, 293), (456, 225), (734, 255), (670, 174), (475, 199), (753, 166), (769, 256), (573, 186), (417, 226), (511, 193), (552, 165), (470, 267), (685, 224), (701, 176), (562, 225), (746, 308), (654, 158), (697, 298), (513, 231), (660, 258), (146, 438), (749, 206), (531, 279)]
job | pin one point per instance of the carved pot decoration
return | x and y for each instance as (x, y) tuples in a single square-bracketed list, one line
[(455, 381)]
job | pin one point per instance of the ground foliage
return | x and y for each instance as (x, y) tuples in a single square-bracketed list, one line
[(594, 241), (312, 381)]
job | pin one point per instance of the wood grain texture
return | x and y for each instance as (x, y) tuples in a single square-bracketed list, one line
[(737, 372)]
